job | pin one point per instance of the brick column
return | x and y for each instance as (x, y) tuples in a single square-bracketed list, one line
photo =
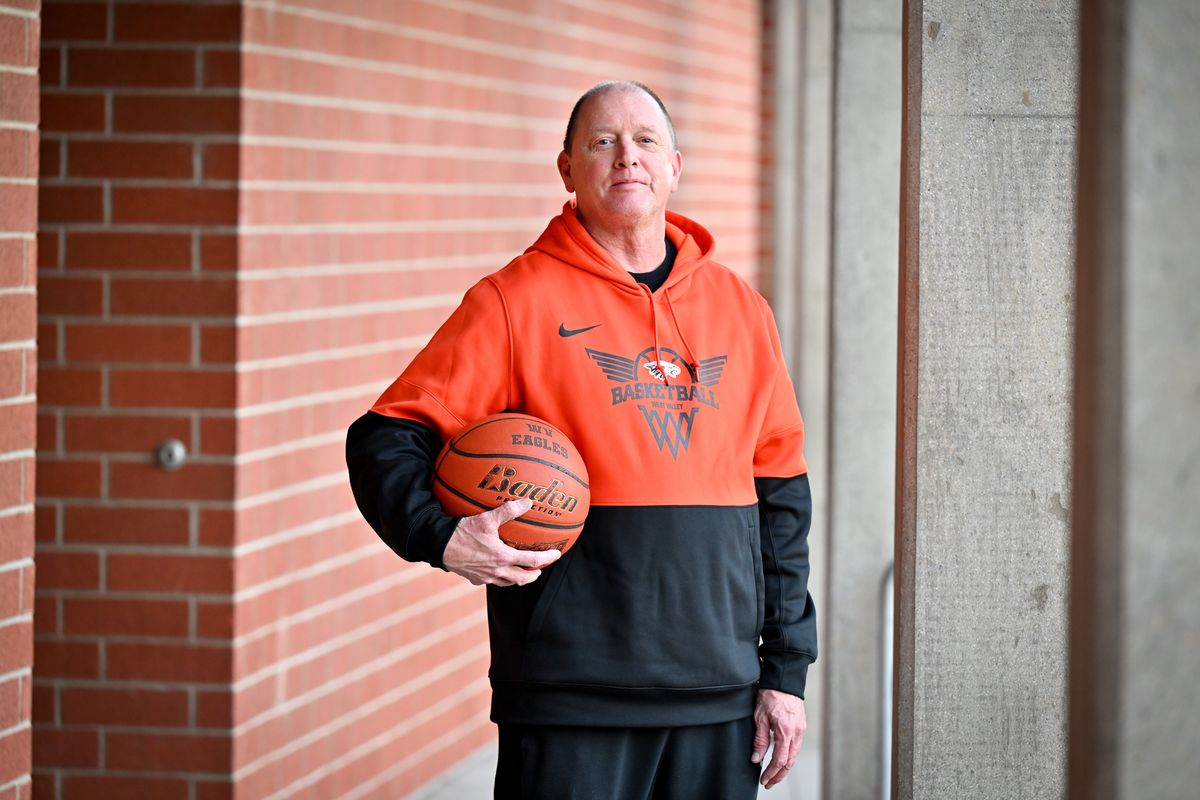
[(18, 309), (136, 311)]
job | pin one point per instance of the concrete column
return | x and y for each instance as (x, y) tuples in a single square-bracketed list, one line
[(803, 53), (862, 467), (1135, 630), (987, 270)]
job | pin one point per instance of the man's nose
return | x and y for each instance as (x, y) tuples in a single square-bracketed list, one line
[(626, 155)]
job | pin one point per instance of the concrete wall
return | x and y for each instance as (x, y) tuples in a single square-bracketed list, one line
[(866, 191), (984, 469), (1135, 630)]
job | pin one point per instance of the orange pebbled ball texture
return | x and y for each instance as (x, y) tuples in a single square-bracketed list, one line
[(509, 457)]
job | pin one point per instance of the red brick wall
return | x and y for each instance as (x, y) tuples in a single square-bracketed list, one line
[(18, 369), (390, 154), (137, 302), (394, 153)]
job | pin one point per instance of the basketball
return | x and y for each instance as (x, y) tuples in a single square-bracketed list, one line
[(509, 457)]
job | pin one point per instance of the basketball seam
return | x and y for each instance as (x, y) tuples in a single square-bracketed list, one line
[(535, 459)]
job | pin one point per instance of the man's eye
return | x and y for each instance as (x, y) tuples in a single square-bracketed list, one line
[(647, 140), (603, 140)]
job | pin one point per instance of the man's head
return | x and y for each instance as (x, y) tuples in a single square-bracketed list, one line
[(619, 156)]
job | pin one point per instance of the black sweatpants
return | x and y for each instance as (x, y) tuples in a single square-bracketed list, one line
[(699, 762)]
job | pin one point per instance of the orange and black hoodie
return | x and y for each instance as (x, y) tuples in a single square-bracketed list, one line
[(688, 586)]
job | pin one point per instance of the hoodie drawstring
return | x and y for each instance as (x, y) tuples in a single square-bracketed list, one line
[(654, 324), (692, 363)]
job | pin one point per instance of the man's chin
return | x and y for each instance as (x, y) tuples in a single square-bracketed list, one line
[(632, 210)]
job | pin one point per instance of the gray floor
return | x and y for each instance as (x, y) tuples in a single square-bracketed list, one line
[(472, 780)]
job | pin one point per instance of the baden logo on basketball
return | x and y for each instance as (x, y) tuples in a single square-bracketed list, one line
[(508, 485), (513, 457)]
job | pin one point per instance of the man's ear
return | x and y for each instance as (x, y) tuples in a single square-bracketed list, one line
[(564, 171), (677, 169)]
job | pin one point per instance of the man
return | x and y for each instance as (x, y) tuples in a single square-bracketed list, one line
[(662, 653)]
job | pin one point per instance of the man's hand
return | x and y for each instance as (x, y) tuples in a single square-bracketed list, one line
[(779, 715), (476, 552)]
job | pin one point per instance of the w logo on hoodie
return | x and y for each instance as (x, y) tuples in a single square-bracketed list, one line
[(670, 428)]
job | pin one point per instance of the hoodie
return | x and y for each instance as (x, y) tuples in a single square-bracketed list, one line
[(688, 586)]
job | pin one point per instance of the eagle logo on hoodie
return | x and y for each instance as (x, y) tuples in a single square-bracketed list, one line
[(669, 409)]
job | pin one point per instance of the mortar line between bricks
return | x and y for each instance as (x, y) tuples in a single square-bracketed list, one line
[(150, 503), (20, 726), (132, 46), (17, 783), (215, 732), (18, 400), (450, 225), (363, 391), (156, 550), (16, 619), (491, 154), (217, 687), (285, 492), (139, 595), (13, 566), (139, 182), (17, 674), (322, 567), (387, 266), (317, 356), (92, 772), (182, 92), (13, 511), (130, 137)]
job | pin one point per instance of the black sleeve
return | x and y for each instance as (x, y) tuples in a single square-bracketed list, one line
[(391, 464), (789, 636)]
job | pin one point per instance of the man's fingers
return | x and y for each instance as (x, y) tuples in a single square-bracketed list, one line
[(779, 753), (508, 511), (783, 756), (535, 559), (762, 738), (521, 577)]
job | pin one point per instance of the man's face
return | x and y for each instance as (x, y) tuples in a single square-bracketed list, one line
[(622, 166)]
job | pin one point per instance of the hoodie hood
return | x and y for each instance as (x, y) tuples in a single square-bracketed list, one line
[(567, 240)]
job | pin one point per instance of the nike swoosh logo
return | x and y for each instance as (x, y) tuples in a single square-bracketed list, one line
[(564, 332)]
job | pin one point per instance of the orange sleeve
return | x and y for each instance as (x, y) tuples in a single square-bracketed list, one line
[(463, 374), (779, 451)]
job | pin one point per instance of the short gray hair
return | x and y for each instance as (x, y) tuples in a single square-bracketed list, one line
[(606, 86)]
